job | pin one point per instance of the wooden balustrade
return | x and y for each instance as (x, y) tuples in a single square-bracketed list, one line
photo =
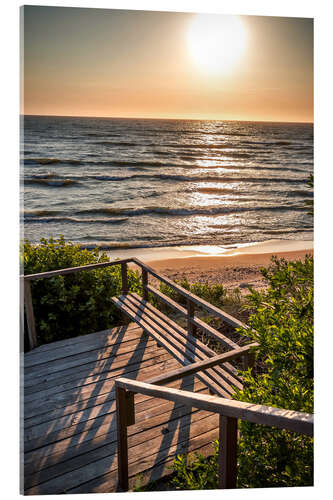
[(193, 322), (25, 282), (229, 410)]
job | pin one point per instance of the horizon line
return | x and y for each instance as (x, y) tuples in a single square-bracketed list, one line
[(161, 118)]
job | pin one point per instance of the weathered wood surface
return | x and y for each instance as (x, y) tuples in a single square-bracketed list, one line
[(293, 421), (70, 436), (32, 335), (188, 295), (183, 346), (70, 270), (194, 320)]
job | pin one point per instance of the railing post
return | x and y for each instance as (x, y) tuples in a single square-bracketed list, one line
[(227, 452), (124, 281), (125, 417), (144, 284), (249, 360), (191, 329), (30, 314)]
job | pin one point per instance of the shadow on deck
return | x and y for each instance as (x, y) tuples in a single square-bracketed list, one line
[(70, 430)]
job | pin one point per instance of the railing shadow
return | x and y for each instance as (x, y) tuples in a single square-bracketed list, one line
[(89, 431)]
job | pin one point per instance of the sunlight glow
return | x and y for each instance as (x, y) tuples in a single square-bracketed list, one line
[(216, 43)]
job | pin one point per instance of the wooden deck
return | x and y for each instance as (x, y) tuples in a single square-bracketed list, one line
[(70, 429)]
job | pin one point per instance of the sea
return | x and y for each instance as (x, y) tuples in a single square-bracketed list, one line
[(131, 183)]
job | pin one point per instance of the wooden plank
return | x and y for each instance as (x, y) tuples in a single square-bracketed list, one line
[(89, 368), (167, 300), (227, 458), (209, 352), (70, 270), (181, 353), (159, 448), (52, 456), (200, 365), (182, 339), (259, 414), (32, 335), (148, 416), (215, 333), (105, 417), (77, 360), (79, 350), (58, 422), (99, 394), (104, 337), (139, 364), (91, 344), (188, 295), (97, 449), (141, 462), (195, 320)]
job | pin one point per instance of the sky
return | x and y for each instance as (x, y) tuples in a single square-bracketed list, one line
[(122, 63)]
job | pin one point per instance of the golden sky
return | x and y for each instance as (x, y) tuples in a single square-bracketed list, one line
[(118, 63)]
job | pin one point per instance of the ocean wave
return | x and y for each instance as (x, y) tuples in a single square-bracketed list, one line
[(51, 182), (203, 177), (112, 143), (202, 146), (50, 161), (40, 213), (185, 211), (74, 220), (215, 178), (216, 190), (270, 143)]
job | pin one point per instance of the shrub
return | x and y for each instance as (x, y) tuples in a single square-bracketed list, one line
[(196, 472), (77, 303), (283, 326)]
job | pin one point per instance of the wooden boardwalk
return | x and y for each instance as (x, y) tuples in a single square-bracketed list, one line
[(70, 428)]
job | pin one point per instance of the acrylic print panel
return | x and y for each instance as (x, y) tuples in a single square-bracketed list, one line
[(186, 141)]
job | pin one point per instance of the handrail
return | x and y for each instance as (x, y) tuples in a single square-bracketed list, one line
[(69, 270), (188, 295), (229, 411), (192, 300), (193, 368)]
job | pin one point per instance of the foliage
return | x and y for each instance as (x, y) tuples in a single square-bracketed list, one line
[(283, 325), (231, 301), (214, 294), (77, 303), (196, 472)]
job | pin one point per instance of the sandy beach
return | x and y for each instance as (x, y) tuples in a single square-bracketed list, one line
[(236, 266)]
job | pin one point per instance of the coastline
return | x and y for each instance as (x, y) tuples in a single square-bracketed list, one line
[(233, 265)]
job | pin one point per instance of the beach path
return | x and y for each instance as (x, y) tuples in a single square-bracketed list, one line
[(70, 428)]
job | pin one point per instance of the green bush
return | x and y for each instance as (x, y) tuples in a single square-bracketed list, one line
[(77, 303), (283, 326), (283, 377), (214, 294), (196, 472)]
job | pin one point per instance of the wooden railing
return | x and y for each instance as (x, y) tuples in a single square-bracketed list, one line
[(193, 322), (25, 283), (229, 410)]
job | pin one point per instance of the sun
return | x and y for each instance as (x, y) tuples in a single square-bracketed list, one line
[(216, 43)]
